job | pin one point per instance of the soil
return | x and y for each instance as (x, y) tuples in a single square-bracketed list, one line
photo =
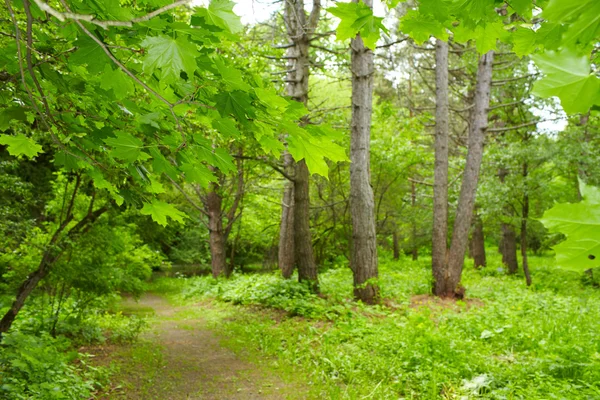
[(191, 362)]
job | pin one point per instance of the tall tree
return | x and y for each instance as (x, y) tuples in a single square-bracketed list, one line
[(363, 260), (295, 236), (447, 281), (440, 186)]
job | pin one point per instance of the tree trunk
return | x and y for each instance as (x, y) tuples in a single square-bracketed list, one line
[(414, 239), (449, 285), (363, 257), (286, 231), (218, 261), (298, 243), (439, 247), (307, 268), (478, 243), (524, 218), (508, 247), (396, 245)]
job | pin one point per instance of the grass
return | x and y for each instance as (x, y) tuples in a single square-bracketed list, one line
[(514, 342)]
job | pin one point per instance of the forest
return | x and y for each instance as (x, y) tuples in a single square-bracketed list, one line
[(300, 199)]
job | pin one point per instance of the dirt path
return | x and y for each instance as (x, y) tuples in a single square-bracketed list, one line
[(183, 359)]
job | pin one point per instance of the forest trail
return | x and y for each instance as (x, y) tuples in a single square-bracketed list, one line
[(192, 363)]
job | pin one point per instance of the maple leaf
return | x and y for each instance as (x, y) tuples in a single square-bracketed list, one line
[(580, 223), (20, 144), (358, 18), (568, 77), (220, 13), (171, 56), (159, 211), (125, 146)]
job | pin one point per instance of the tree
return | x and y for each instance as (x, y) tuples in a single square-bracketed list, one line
[(295, 236), (447, 281)]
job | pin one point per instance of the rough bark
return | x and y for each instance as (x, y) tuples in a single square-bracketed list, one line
[(307, 268), (218, 258), (286, 230), (363, 258), (524, 218), (295, 240), (414, 233), (478, 243), (448, 285), (508, 241), (508, 246), (439, 247)]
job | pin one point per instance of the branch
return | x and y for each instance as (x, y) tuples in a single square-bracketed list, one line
[(62, 16), (510, 128)]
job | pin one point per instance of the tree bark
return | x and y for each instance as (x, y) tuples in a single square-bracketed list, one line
[(396, 245), (439, 246), (307, 268), (448, 286), (508, 246), (286, 231), (414, 233), (363, 258), (478, 243), (218, 258), (524, 218), (295, 240)]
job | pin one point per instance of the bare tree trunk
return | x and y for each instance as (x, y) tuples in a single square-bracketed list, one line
[(286, 231), (363, 259), (396, 244), (298, 243), (478, 243), (218, 261), (449, 287), (414, 233), (508, 246), (439, 247), (524, 218), (307, 268)]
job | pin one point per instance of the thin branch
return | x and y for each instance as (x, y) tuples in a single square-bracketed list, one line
[(62, 16)]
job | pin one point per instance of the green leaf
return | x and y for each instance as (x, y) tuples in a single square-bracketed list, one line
[(220, 13), (198, 173), (159, 211), (226, 127), (232, 76), (20, 144), (171, 56), (89, 53), (358, 18), (235, 103), (117, 81), (580, 223), (421, 27), (568, 77), (313, 148), (582, 18), (11, 114), (125, 146), (524, 41)]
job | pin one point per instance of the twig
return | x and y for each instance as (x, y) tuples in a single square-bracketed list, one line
[(62, 16)]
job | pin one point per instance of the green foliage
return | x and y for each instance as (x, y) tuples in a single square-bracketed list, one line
[(501, 344), (569, 77), (579, 222), (41, 367), (358, 18), (20, 144)]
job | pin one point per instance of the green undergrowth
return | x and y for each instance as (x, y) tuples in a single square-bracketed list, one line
[(505, 341), (41, 357)]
